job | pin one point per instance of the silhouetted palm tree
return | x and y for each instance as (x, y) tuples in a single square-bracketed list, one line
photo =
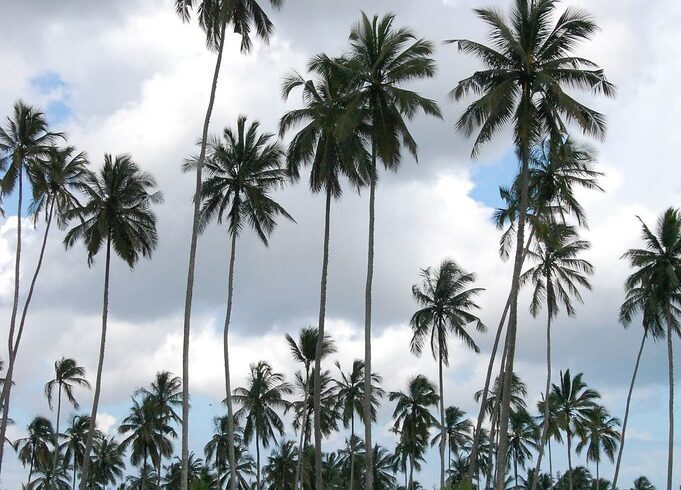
[(523, 440), (108, 465), (34, 449), (74, 446), (280, 471), (600, 435), (457, 431)]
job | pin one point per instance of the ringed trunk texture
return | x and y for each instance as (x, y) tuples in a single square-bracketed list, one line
[(228, 388), (545, 429), (320, 348), (191, 268), (85, 471)]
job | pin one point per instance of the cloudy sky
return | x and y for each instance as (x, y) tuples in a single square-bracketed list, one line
[(129, 77)]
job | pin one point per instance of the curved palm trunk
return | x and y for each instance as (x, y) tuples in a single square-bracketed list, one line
[(190, 270), (670, 358), (496, 413), (320, 343), (569, 455), (443, 432), (626, 412), (369, 479), (303, 431), (144, 471), (7, 387), (352, 451), (98, 382), (228, 388), (56, 438)]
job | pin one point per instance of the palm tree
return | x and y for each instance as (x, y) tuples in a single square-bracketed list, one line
[(216, 448), (74, 446), (523, 440), (280, 471), (553, 430), (446, 299), (413, 419), (658, 270), (259, 402), (574, 403), (46, 480), (142, 482), (107, 465), (641, 483), (456, 430), (600, 435), (117, 214), (382, 59), (351, 401), (383, 477), (67, 375), (527, 68), (556, 279), (245, 469), (214, 18), (24, 141), (34, 449), (173, 477), (305, 351), (331, 157)]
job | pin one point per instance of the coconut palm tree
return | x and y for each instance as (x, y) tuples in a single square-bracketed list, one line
[(457, 431), (74, 445), (304, 351), (116, 215), (34, 449), (245, 469), (214, 17), (556, 278), (46, 480), (382, 59), (24, 141), (259, 401), (600, 435), (67, 375), (642, 483), (413, 419), (216, 448), (280, 471), (384, 478), (523, 440), (108, 465), (529, 96), (350, 395), (446, 299), (574, 403), (658, 269), (553, 431)]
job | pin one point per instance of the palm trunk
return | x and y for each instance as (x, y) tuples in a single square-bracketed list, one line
[(626, 411), (513, 319), (496, 413), (515, 471), (56, 437), (191, 268), (598, 478), (320, 343), (352, 451), (158, 472), (228, 388), (13, 319), (74, 474), (545, 429), (98, 383), (30, 474), (670, 358), (369, 479), (443, 432), (411, 473), (303, 431), (551, 465), (569, 455), (257, 460), (144, 471), (218, 485)]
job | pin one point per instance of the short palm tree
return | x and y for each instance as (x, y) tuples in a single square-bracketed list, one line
[(216, 448), (24, 142), (259, 401), (523, 440), (527, 68), (74, 445), (600, 435), (446, 300), (67, 375), (108, 465), (280, 471), (116, 214), (574, 403), (642, 483), (457, 431), (45, 479), (35, 449), (658, 270), (214, 19)]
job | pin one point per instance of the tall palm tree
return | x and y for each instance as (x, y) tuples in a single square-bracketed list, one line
[(243, 168), (34, 449), (108, 465), (304, 351), (117, 214), (332, 156), (574, 403), (523, 440), (600, 435), (527, 68), (457, 430), (446, 301), (382, 59), (280, 470), (214, 16), (413, 419), (556, 278), (67, 375), (351, 401), (74, 445), (24, 141), (259, 401), (658, 270)]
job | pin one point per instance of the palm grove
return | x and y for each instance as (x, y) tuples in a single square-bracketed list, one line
[(353, 120)]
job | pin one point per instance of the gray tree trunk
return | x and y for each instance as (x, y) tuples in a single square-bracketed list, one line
[(352, 451), (303, 431), (670, 358), (228, 388), (56, 438), (443, 431)]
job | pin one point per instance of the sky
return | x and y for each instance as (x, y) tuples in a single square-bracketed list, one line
[(130, 77)]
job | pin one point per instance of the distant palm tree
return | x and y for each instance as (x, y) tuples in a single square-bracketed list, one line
[(214, 17), (574, 403), (46, 480), (600, 435), (117, 214), (173, 476), (259, 401), (107, 465), (658, 270), (74, 446), (413, 419), (553, 431), (383, 477), (34, 449), (641, 483), (382, 59), (446, 300), (24, 141), (523, 440), (280, 471), (143, 481), (457, 431), (529, 96), (67, 375), (351, 400)]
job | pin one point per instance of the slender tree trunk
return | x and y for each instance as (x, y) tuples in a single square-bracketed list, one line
[(515, 471), (56, 438), (569, 455), (496, 413), (257, 460), (303, 431), (551, 465), (98, 382), (369, 479), (74, 473), (228, 388), (319, 485), (218, 484), (670, 358), (411, 473), (352, 451), (626, 411), (545, 429), (158, 472), (30, 474), (443, 432), (144, 471), (13, 319), (598, 478), (191, 268)]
